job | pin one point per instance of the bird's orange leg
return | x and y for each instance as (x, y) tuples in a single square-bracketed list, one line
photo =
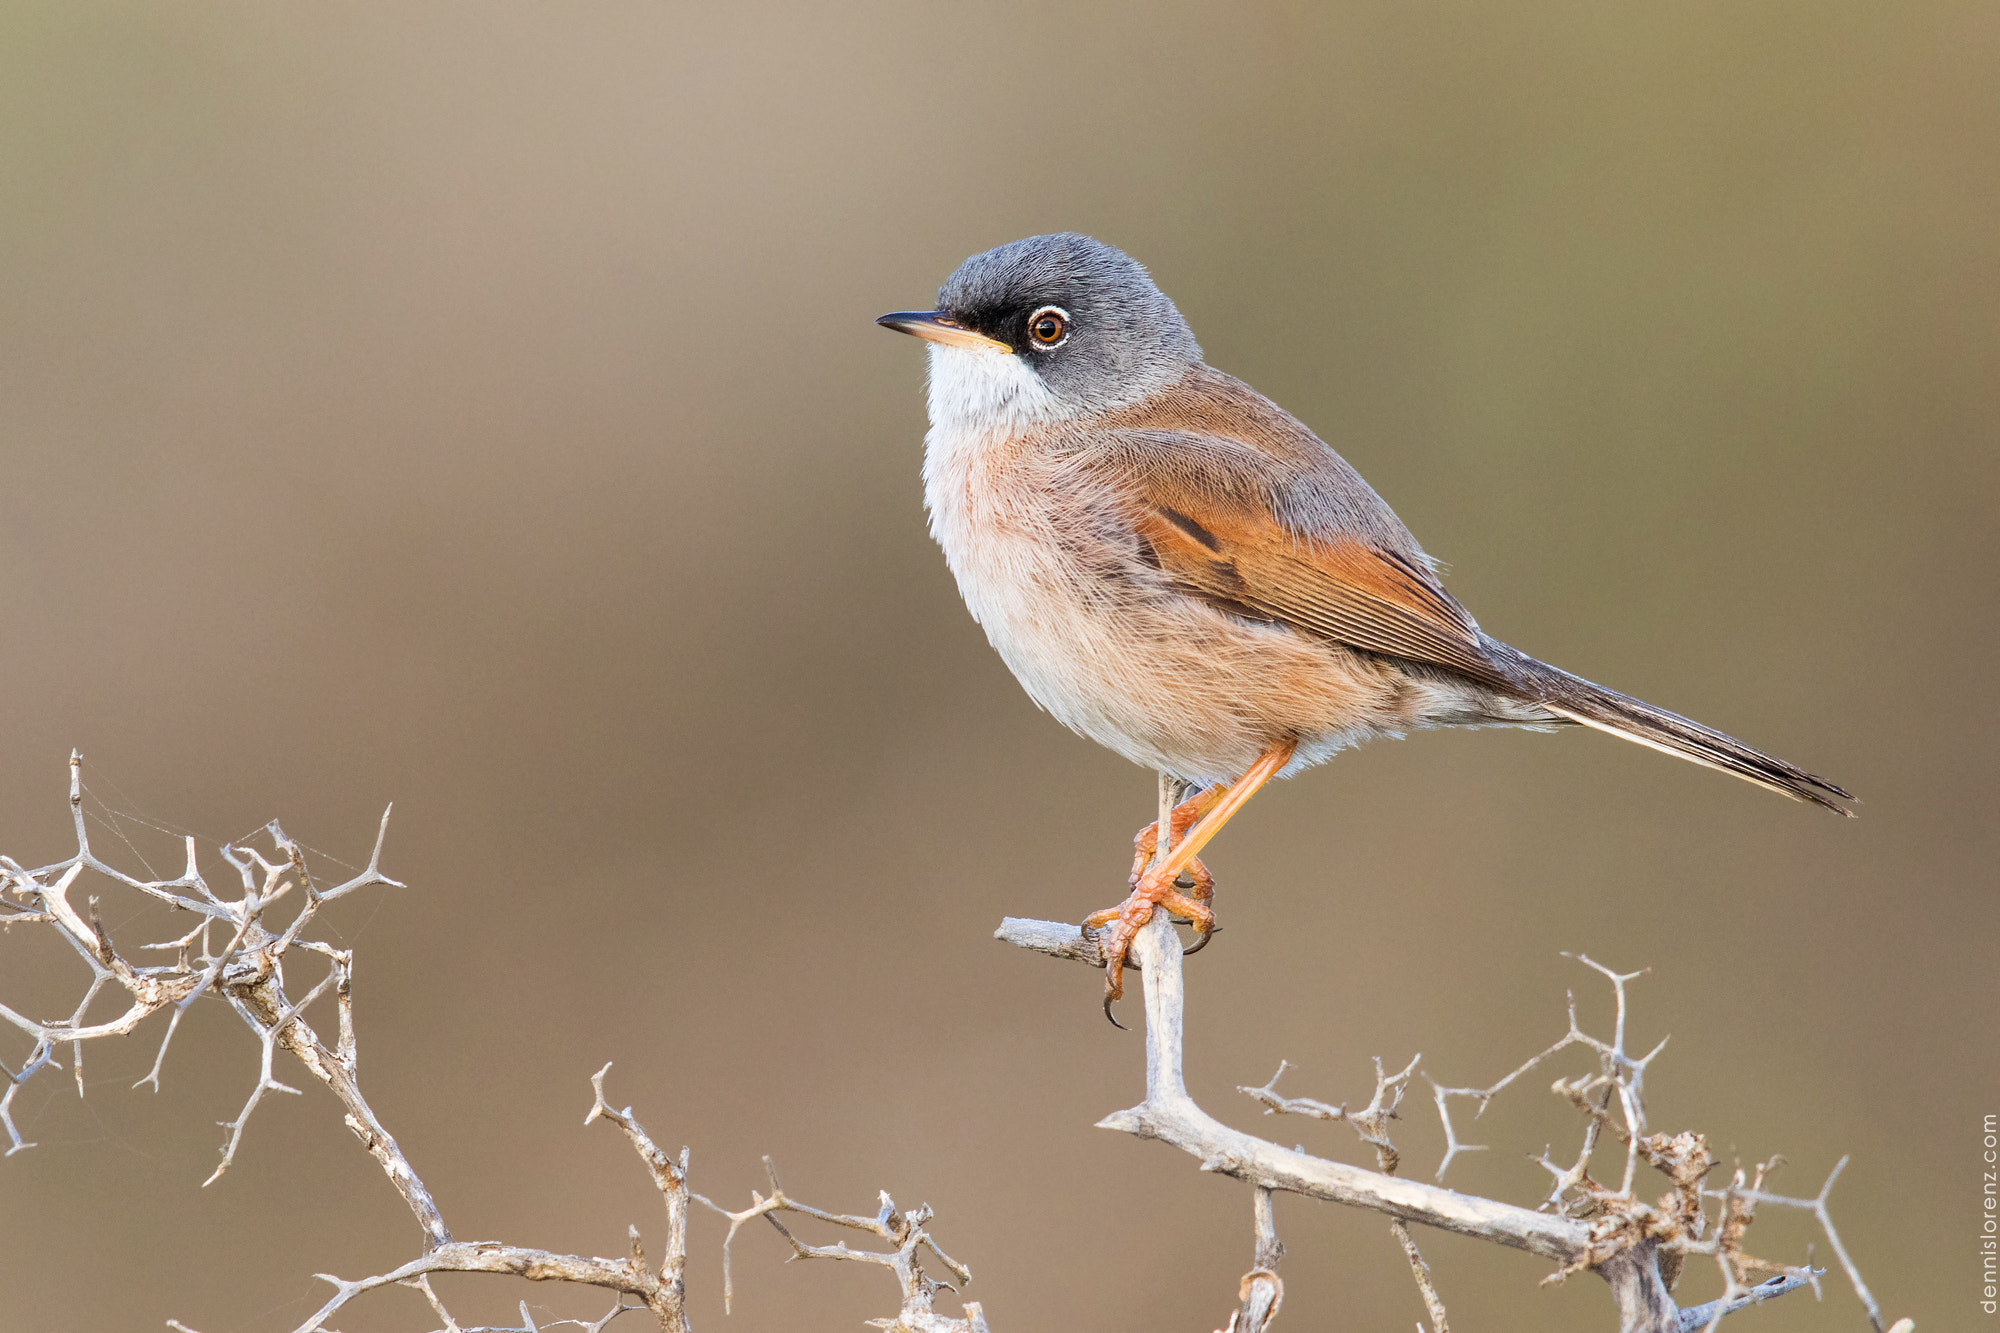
[(1155, 887), (1144, 846)]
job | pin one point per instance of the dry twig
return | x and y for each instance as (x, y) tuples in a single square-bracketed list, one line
[(905, 1234), (248, 974), (1636, 1246)]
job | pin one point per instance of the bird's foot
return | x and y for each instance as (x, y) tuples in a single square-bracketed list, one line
[(1115, 928)]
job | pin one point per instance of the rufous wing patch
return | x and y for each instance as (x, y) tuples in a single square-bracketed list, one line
[(1343, 590)]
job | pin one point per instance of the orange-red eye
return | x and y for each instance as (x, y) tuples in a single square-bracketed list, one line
[(1048, 326)]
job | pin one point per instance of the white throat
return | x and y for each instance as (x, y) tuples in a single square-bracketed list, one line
[(977, 390)]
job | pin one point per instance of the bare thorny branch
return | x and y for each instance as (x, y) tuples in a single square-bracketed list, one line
[(1371, 1123), (904, 1233), (1613, 1098), (1638, 1247), (1582, 1224), (248, 974)]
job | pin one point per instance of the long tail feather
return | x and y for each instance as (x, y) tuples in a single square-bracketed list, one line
[(1592, 705)]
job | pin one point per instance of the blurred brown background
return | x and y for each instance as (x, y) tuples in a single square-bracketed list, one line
[(476, 407)]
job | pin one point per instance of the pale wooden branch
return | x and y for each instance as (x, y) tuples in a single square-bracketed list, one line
[(1170, 1115), (1426, 1284), (1817, 1206), (1261, 1293), (248, 974), (1638, 1248), (905, 1234), (666, 1293), (1699, 1317), (661, 1291), (1371, 1123)]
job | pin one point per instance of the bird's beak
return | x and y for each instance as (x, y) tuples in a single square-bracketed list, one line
[(938, 327)]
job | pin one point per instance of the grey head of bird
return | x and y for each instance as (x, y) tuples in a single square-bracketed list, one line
[(1059, 325)]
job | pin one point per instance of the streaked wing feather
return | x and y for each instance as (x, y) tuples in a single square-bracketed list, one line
[(1218, 544)]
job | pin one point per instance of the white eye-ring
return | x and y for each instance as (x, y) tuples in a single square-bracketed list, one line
[(1048, 328)]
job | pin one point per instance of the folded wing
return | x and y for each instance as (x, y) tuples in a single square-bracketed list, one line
[(1205, 521)]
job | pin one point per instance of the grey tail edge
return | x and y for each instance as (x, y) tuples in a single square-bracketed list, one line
[(1580, 701)]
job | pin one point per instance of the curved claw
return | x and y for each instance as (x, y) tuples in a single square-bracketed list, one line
[(1200, 942), (1113, 1017)]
